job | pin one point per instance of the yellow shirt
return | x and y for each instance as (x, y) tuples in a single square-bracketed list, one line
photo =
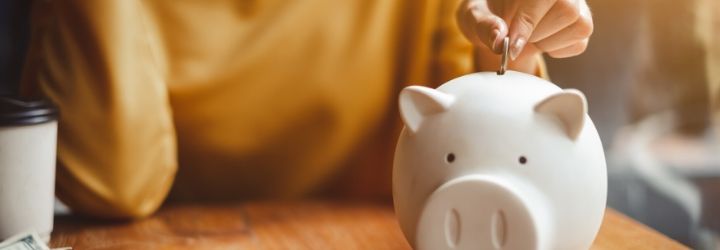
[(230, 99)]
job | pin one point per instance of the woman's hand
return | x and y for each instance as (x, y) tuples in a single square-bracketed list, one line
[(561, 28)]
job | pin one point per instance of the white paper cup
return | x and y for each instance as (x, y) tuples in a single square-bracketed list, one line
[(28, 135)]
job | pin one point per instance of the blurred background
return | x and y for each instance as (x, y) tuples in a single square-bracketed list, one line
[(651, 76), (14, 35)]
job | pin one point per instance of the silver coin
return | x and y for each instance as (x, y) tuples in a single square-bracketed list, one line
[(504, 59)]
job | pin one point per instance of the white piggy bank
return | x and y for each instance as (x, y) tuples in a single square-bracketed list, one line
[(491, 161)]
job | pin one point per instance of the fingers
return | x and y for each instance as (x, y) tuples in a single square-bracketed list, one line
[(580, 30), (569, 51), (559, 27), (524, 21), (480, 25), (562, 14)]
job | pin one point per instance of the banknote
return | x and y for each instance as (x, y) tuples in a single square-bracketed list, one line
[(24, 241)]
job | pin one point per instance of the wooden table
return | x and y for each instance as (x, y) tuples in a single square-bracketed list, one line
[(306, 225)]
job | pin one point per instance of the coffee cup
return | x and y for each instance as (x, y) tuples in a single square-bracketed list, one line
[(28, 135)]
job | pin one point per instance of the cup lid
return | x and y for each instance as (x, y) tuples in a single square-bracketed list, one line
[(14, 111)]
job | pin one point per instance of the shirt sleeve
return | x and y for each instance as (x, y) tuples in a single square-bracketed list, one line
[(116, 145), (453, 54)]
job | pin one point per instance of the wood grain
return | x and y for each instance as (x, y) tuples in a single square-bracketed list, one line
[(621, 232), (278, 225)]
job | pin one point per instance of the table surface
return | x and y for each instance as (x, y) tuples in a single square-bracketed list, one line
[(290, 225)]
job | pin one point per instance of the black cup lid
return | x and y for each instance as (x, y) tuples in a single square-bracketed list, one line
[(14, 111)]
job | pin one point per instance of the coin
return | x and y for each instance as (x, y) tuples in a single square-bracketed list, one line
[(504, 58)]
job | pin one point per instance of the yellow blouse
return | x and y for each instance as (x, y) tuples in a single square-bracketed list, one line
[(231, 99)]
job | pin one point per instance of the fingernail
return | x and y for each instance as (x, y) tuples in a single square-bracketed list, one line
[(493, 38), (517, 47)]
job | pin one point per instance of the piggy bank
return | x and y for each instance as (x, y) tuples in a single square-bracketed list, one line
[(489, 161)]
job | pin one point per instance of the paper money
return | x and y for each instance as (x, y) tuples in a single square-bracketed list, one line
[(27, 241), (24, 241)]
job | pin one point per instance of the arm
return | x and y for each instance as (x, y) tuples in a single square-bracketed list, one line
[(116, 145)]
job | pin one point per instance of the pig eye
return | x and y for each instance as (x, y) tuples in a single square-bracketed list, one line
[(450, 158), (522, 160)]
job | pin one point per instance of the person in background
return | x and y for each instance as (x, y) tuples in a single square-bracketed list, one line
[(255, 99)]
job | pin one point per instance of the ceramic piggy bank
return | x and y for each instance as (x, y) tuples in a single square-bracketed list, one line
[(491, 161)]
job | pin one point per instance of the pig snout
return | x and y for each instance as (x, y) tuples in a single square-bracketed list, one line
[(480, 212)]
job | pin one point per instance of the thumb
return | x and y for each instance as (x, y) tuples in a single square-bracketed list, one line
[(480, 25), (526, 18)]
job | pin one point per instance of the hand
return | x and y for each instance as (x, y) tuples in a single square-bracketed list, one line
[(561, 28)]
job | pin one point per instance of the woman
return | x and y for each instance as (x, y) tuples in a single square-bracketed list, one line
[(243, 99)]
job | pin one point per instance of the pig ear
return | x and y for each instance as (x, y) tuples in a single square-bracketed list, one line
[(417, 103), (569, 107)]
